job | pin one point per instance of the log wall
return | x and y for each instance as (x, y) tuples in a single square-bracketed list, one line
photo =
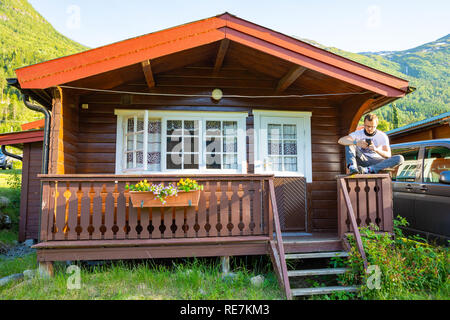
[(30, 193), (96, 130)]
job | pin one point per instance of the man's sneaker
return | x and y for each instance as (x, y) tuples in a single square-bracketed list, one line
[(352, 169), (365, 170)]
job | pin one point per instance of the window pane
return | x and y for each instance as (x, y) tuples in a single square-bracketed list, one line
[(213, 144), (191, 144), (173, 160), (230, 128), (139, 159), (213, 128), (213, 161), (437, 159), (191, 128), (140, 125), (290, 164), (154, 127), (129, 160), (174, 127), (289, 131), (275, 163), (274, 131), (174, 144), (229, 144), (154, 161), (274, 147), (407, 170), (230, 161), (290, 147), (139, 141), (130, 142), (191, 161), (130, 125)]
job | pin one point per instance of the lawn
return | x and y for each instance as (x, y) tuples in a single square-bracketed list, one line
[(410, 271), (168, 279)]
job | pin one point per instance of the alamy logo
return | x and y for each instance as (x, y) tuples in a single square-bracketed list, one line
[(74, 281), (74, 19), (374, 280)]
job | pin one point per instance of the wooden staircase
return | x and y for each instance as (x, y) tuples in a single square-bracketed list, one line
[(309, 248), (317, 272)]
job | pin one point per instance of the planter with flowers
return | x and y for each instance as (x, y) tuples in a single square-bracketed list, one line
[(185, 193)]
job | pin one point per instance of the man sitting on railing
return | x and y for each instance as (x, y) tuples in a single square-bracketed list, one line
[(368, 150)]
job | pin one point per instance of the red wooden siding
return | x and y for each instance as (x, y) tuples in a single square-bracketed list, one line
[(97, 124), (30, 192)]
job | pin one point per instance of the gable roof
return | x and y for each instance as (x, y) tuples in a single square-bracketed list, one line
[(199, 33)]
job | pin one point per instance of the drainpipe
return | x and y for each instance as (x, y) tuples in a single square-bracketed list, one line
[(6, 153), (47, 115)]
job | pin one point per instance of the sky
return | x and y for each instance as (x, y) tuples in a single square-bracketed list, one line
[(351, 25)]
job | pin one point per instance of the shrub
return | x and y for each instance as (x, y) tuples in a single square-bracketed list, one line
[(406, 267)]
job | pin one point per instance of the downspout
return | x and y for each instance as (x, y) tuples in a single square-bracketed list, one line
[(12, 155), (47, 115)]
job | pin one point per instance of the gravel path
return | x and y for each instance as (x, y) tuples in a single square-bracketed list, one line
[(16, 251)]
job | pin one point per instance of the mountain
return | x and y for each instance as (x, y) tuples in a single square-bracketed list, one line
[(426, 67), (25, 38)]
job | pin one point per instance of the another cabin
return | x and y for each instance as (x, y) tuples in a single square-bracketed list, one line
[(437, 127), (30, 141)]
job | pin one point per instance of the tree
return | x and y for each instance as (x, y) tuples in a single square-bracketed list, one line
[(395, 121), (2, 83)]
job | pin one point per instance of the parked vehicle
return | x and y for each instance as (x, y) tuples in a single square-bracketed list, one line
[(421, 188), (5, 161)]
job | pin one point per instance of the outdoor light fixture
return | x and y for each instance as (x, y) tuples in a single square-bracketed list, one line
[(217, 94)]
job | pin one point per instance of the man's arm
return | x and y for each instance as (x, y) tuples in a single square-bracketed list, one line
[(349, 140), (384, 151)]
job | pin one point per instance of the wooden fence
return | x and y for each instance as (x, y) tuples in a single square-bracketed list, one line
[(370, 197), (97, 207)]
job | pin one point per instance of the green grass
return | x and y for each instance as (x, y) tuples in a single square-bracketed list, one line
[(10, 188), (196, 279)]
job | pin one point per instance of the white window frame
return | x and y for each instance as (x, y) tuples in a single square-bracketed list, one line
[(303, 120), (202, 117)]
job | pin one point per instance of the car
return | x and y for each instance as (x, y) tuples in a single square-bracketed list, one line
[(421, 188), (5, 161)]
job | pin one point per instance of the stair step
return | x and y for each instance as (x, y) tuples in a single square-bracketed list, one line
[(323, 290), (317, 255), (317, 272)]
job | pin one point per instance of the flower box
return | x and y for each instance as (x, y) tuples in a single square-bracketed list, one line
[(148, 199)]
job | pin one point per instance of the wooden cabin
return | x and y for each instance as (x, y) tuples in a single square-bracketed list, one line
[(252, 114), (437, 127), (30, 141)]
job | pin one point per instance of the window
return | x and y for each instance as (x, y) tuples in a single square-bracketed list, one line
[(436, 160), (407, 171), (283, 143), (174, 142)]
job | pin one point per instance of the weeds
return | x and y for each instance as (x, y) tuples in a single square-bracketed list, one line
[(405, 268)]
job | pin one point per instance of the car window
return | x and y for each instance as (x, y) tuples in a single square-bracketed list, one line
[(407, 170), (436, 160)]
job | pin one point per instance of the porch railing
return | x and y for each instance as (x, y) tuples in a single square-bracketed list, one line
[(370, 196), (91, 207)]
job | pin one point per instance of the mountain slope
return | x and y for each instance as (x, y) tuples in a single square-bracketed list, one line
[(426, 67), (25, 38)]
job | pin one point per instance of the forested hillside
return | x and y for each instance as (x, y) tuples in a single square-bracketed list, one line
[(26, 38), (426, 67)]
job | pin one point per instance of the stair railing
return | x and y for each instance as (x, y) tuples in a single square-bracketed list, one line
[(353, 222), (279, 239)]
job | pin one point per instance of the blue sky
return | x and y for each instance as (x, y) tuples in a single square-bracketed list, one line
[(347, 24)]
